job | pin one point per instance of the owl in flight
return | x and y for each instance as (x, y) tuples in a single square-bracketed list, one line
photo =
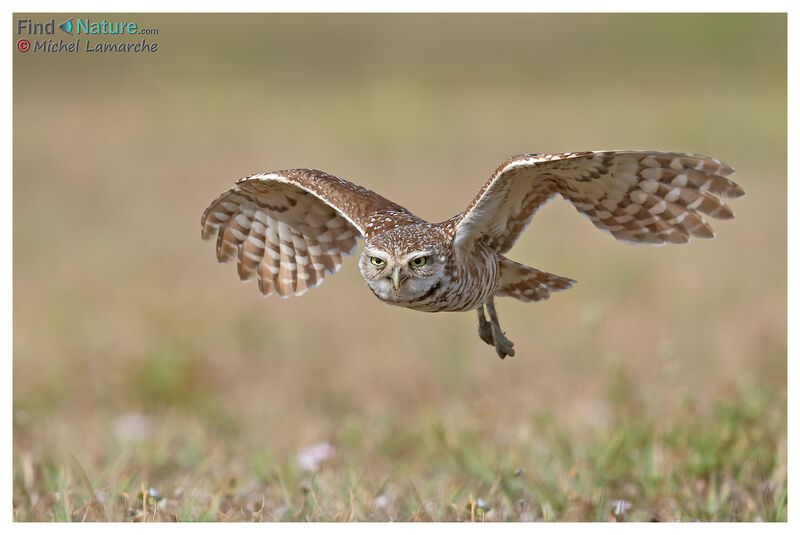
[(289, 229)]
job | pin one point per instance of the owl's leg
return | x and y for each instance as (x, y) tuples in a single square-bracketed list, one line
[(502, 345), (484, 328)]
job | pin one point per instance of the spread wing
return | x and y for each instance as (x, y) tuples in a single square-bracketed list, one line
[(637, 196), (290, 228)]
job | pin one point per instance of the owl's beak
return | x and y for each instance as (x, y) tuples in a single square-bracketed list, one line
[(396, 278)]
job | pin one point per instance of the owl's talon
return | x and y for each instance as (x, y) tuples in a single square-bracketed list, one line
[(486, 335), (485, 328), (491, 333), (503, 345)]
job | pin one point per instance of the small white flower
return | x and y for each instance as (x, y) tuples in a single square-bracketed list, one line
[(620, 507), (310, 457), (381, 502)]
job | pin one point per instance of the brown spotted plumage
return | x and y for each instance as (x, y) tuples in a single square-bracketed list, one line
[(289, 229)]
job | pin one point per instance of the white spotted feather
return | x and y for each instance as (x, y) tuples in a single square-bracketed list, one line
[(290, 228), (637, 196)]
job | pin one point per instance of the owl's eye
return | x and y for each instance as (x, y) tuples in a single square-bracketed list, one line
[(419, 261), (377, 261)]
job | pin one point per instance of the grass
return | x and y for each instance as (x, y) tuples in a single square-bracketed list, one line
[(709, 465), (149, 384)]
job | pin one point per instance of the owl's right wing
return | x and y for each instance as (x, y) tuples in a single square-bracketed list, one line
[(637, 196), (290, 228)]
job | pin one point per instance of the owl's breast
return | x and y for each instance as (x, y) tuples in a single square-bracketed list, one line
[(466, 284)]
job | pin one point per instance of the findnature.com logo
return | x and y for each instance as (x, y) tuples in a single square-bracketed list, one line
[(85, 27)]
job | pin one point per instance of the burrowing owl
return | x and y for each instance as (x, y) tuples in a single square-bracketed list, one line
[(291, 228)]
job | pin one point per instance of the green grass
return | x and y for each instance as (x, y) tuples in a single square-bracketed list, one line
[(723, 463)]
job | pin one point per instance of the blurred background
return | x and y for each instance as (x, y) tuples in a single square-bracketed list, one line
[(141, 362)]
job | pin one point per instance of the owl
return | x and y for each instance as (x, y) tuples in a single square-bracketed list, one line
[(290, 229)]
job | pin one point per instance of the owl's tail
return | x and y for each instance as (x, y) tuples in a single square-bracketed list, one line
[(528, 284)]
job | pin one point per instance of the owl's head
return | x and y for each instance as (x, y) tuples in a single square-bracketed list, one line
[(404, 264)]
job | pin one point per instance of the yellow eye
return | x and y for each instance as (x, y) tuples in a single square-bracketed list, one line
[(377, 261), (419, 261)]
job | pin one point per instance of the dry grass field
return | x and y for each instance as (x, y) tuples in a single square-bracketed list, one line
[(150, 384)]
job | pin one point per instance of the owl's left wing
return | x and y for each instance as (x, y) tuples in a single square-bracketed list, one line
[(637, 196), (291, 228)]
